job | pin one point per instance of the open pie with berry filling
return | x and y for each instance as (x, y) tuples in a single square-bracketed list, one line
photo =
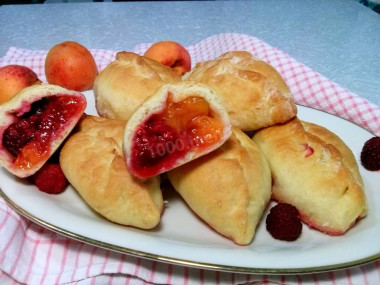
[(34, 123), (178, 123)]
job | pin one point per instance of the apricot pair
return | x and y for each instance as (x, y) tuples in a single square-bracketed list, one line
[(72, 66)]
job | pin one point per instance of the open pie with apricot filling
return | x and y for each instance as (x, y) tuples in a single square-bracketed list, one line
[(180, 122), (34, 123)]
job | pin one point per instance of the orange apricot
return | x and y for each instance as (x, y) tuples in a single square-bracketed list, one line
[(70, 65), (13, 78)]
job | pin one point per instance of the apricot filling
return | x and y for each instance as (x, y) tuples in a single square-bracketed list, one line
[(29, 137), (167, 136)]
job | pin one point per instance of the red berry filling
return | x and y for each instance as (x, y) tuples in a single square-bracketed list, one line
[(370, 154), (166, 137), (283, 222), (154, 148), (29, 137), (308, 150)]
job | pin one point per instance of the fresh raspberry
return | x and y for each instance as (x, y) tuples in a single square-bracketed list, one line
[(50, 179), (370, 155), (283, 222)]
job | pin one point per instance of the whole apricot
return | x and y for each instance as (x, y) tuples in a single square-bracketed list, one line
[(172, 54), (70, 65), (13, 78)]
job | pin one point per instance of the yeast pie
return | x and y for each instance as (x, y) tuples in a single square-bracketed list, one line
[(228, 188), (253, 92), (34, 123), (126, 82), (178, 123), (315, 171), (93, 162)]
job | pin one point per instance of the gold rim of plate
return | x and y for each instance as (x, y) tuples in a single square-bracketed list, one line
[(195, 264), (184, 262)]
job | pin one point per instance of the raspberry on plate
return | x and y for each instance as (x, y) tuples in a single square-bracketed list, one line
[(370, 155), (50, 179), (283, 222)]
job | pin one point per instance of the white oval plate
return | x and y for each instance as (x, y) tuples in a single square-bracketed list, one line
[(181, 238)]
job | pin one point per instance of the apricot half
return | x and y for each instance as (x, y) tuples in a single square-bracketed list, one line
[(70, 65)]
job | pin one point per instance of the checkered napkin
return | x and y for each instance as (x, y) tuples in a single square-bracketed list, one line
[(34, 255)]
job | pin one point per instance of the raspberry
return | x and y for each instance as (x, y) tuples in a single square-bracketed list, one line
[(151, 143), (50, 179), (370, 155), (283, 222)]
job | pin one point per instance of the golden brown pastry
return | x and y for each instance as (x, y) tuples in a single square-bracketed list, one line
[(178, 123), (93, 162), (331, 138), (229, 188), (126, 82), (34, 123), (253, 92), (316, 172)]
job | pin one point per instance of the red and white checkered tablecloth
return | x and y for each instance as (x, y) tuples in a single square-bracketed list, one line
[(34, 255)]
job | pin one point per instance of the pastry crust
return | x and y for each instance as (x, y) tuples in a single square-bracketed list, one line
[(126, 82), (20, 104), (253, 92), (93, 162), (331, 138), (229, 188), (316, 172), (156, 104)]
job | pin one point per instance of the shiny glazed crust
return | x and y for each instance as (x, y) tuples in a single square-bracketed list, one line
[(126, 82), (253, 92), (316, 172), (157, 102), (229, 188), (20, 104), (93, 162)]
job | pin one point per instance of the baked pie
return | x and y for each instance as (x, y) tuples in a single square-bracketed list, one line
[(93, 162), (126, 82), (178, 123), (34, 123), (253, 92), (315, 171), (229, 188)]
